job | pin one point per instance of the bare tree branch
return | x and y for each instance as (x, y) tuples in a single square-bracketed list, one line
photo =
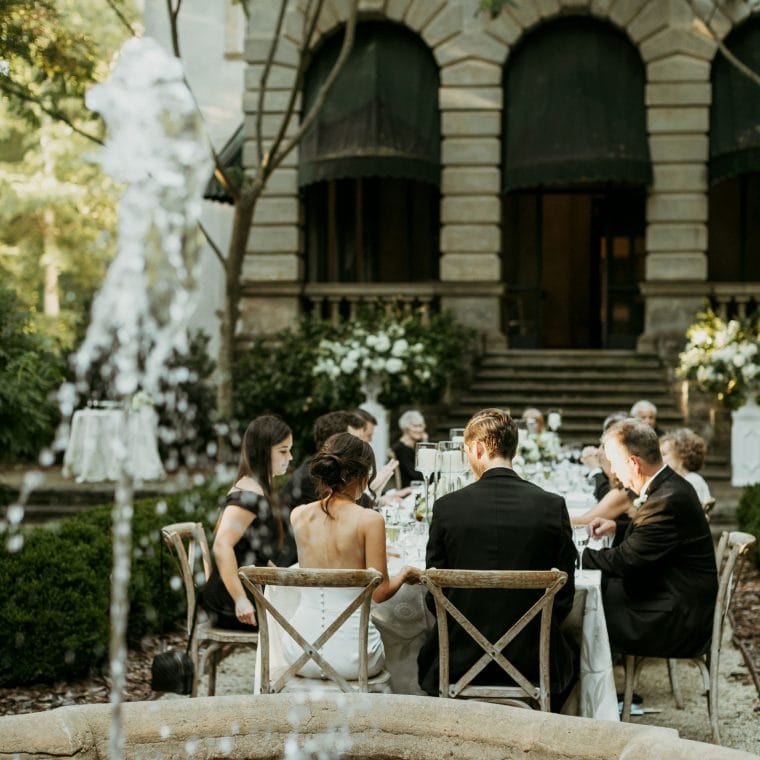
[(120, 15), (214, 247), (324, 90), (19, 92), (173, 24), (713, 35), (265, 78)]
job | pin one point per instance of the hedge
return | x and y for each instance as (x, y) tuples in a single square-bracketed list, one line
[(54, 606), (748, 516)]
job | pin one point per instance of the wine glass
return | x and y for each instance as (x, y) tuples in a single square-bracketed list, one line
[(426, 462), (581, 538), (456, 435), (554, 419)]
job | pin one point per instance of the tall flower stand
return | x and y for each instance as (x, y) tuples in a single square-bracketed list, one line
[(380, 438), (745, 444)]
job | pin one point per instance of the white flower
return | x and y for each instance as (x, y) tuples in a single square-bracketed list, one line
[(348, 366), (399, 347), (394, 365), (639, 501), (382, 343)]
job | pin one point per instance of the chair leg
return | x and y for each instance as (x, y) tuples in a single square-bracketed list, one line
[(675, 686), (213, 661), (712, 698), (630, 677), (196, 667)]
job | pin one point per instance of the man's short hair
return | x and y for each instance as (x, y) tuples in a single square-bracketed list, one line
[(637, 438), (334, 422), (611, 419), (496, 430), (366, 416), (412, 417), (643, 406)]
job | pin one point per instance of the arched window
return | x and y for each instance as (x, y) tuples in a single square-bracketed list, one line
[(370, 166), (575, 169), (734, 215)]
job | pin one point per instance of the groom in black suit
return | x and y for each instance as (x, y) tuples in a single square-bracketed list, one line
[(660, 582), (501, 522)]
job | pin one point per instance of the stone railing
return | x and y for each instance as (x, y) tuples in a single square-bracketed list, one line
[(341, 301), (735, 299), (352, 725)]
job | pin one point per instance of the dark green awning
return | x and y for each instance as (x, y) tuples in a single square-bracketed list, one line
[(381, 115), (735, 110), (574, 108), (231, 159)]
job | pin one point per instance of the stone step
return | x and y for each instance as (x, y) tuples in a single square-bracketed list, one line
[(580, 404)]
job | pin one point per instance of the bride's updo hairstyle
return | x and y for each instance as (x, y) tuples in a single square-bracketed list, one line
[(343, 463)]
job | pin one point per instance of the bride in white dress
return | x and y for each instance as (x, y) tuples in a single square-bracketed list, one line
[(336, 533)]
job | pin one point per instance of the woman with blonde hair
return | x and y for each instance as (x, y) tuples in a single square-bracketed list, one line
[(684, 451)]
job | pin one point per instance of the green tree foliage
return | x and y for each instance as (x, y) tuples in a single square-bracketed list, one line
[(30, 371), (748, 516)]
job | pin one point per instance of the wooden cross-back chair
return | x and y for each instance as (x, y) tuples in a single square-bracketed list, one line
[(732, 549), (365, 581), (210, 644), (524, 693)]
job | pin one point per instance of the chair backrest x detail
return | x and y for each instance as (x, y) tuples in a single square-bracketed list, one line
[(550, 581), (365, 581), (188, 542)]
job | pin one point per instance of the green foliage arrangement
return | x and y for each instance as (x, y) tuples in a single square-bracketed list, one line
[(30, 371), (748, 516), (56, 588), (294, 375)]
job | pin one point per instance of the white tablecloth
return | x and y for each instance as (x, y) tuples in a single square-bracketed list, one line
[(92, 454)]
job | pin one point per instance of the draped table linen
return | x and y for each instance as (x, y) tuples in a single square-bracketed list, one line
[(92, 453)]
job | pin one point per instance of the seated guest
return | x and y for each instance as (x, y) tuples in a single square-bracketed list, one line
[(501, 522), (534, 421), (412, 425), (249, 530), (660, 582), (684, 451), (598, 465), (646, 411), (370, 423), (335, 532)]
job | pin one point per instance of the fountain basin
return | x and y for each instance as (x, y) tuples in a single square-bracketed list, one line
[(381, 727)]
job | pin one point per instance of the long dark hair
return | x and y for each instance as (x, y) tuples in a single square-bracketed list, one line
[(344, 460), (256, 455)]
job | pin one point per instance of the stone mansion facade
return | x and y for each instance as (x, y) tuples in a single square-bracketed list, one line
[(565, 174)]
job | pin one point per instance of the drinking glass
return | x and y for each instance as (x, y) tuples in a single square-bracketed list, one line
[(554, 419), (581, 538), (449, 465), (426, 462), (456, 435)]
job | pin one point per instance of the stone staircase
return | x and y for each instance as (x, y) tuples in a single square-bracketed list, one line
[(586, 386)]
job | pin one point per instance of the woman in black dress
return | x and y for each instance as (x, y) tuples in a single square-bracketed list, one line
[(249, 530)]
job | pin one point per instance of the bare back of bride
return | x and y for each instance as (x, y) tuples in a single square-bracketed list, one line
[(336, 533)]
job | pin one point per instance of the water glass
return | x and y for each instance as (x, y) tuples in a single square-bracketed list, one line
[(581, 537), (456, 435)]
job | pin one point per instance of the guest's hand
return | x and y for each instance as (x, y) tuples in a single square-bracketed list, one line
[(383, 476), (600, 526), (244, 611)]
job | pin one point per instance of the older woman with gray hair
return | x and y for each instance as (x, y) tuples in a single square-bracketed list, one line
[(646, 411), (412, 425)]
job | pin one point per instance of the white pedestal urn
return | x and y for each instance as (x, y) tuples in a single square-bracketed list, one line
[(745, 444), (380, 438)]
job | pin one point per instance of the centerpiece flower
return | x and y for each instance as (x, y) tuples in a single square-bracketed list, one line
[(723, 358), (380, 360)]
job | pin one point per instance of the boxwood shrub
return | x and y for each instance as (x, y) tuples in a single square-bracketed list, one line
[(54, 609), (748, 516)]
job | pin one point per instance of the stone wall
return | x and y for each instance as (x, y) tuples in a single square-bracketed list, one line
[(471, 49)]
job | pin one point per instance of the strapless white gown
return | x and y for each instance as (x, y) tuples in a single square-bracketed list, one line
[(317, 608)]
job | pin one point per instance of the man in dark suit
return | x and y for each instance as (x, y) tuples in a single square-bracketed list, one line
[(660, 581), (501, 522)]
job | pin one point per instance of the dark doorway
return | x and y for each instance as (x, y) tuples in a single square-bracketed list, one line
[(572, 263)]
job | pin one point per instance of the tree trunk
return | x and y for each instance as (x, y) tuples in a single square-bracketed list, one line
[(233, 268)]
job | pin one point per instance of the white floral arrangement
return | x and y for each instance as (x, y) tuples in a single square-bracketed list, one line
[(375, 358), (538, 447), (140, 400), (723, 358)]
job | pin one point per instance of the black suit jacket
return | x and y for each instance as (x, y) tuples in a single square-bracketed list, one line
[(660, 582), (501, 522)]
